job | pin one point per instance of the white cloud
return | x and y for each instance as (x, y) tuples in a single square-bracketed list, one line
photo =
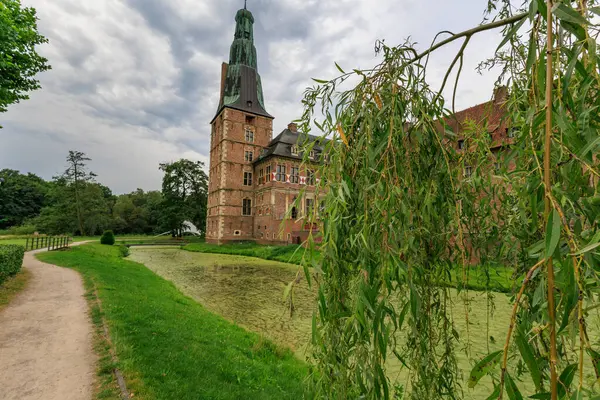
[(135, 82)]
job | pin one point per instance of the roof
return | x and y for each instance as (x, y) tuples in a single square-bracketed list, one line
[(491, 115), (282, 144)]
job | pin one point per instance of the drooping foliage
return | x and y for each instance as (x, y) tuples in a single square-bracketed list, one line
[(19, 60), (402, 216)]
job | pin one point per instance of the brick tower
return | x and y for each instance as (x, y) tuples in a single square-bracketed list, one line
[(240, 130)]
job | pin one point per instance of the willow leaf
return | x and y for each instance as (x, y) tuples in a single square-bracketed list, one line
[(484, 367), (552, 233), (511, 388)]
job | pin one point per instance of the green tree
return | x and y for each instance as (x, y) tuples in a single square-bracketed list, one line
[(21, 197), (137, 212), (63, 216), (185, 193), (76, 176), (19, 60)]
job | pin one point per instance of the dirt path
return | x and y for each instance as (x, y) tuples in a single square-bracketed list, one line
[(46, 338)]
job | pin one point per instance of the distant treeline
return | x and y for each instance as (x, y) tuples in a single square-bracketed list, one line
[(75, 203)]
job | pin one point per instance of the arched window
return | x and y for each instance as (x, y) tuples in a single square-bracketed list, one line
[(294, 213)]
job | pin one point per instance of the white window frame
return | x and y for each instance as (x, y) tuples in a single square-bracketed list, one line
[(249, 135), (248, 155), (468, 171), (247, 178), (294, 150)]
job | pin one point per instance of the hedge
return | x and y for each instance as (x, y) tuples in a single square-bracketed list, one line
[(11, 259)]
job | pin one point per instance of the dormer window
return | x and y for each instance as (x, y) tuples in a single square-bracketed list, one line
[(294, 150), (249, 104), (311, 154)]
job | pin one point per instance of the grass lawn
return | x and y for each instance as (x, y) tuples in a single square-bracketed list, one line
[(171, 347), (289, 254), (12, 286), (500, 278)]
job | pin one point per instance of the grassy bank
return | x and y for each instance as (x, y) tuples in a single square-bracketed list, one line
[(500, 278), (289, 254), (169, 346), (13, 286)]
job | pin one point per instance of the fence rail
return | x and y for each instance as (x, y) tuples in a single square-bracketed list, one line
[(49, 242)]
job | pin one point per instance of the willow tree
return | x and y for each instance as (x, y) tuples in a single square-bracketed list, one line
[(401, 222)]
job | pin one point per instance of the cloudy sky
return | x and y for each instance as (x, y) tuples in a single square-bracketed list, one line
[(135, 82)]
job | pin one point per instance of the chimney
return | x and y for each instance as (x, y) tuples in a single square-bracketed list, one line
[(224, 67), (293, 127), (500, 94)]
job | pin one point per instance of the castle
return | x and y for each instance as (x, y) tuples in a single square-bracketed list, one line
[(254, 179)]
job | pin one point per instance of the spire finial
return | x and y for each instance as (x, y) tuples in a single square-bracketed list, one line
[(245, 3)]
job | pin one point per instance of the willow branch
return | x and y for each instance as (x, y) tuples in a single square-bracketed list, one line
[(513, 319), (548, 189), (471, 32)]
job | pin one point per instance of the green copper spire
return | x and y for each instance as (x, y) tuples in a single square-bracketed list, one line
[(242, 86)]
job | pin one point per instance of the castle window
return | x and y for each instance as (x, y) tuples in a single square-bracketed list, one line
[(249, 119), (247, 178), (310, 179), (248, 155), (461, 144), (295, 175), (294, 150), (249, 103), (249, 135), (294, 213), (309, 206), (468, 171), (311, 154), (281, 173), (261, 176), (268, 173), (246, 207)]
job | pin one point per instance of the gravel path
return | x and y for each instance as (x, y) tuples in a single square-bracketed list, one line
[(46, 338)]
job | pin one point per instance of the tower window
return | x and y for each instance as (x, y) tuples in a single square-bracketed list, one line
[(247, 178), (248, 155), (461, 144), (249, 104), (295, 175), (246, 207), (261, 176), (311, 154), (249, 119), (281, 173), (294, 213), (249, 135), (268, 173)]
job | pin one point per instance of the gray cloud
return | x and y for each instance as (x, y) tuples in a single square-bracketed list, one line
[(135, 82)]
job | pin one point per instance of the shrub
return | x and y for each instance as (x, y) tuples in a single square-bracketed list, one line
[(108, 237), (124, 250), (11, 259)]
